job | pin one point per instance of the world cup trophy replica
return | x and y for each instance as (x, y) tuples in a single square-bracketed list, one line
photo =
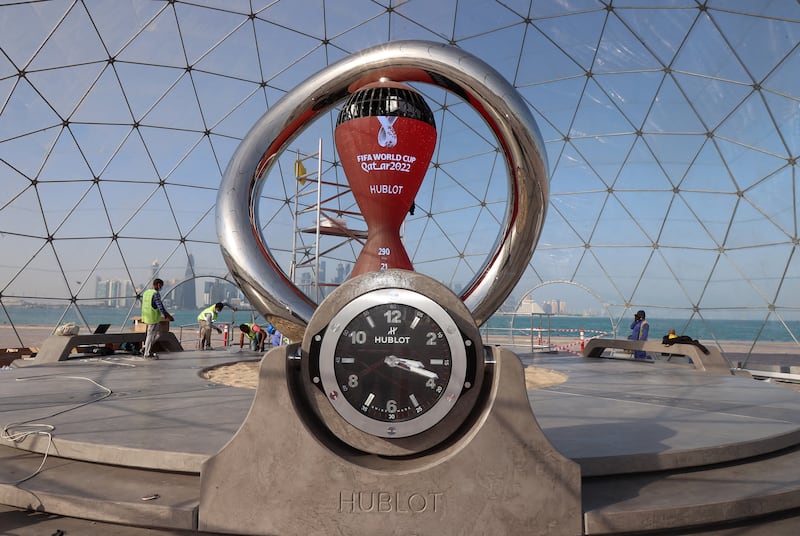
[(385, 136)]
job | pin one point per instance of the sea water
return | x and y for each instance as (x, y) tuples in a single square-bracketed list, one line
[(500, 324)]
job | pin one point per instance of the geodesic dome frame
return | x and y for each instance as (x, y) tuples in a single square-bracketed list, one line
[(671, 130)]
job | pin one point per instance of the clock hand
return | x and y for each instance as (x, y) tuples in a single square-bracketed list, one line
[(407, 362), (417, 367)]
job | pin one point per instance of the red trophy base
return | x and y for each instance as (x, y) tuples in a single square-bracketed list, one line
[(385, 149)]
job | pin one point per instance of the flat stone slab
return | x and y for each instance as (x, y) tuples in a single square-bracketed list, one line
[(164, 415)]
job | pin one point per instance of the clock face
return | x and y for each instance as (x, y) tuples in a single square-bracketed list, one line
[(392, 363)]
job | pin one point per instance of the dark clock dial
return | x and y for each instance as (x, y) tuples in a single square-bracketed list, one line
[(392, 363)]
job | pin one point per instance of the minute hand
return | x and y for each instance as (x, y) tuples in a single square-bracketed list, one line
[(417, 367)]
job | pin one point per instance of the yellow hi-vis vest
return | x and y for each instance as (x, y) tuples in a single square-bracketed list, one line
[(251, 334), (150, 315), (208, 310)]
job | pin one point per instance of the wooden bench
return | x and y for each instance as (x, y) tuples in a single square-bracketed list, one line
[(7, 355), (713, 361), (59, 347)]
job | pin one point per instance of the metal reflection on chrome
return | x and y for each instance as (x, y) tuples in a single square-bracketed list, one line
[(246, 252)]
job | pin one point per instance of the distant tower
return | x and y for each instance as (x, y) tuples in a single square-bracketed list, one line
[(186, 293), (339, 273), (154, 269)]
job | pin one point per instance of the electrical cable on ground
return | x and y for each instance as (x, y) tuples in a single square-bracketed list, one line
[(19, 431)]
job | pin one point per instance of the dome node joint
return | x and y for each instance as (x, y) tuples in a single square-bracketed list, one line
[(667, 70), (586, 245), (610, 190), (676, 190)]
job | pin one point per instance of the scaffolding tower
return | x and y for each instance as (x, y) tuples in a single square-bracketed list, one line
[(329, 220)]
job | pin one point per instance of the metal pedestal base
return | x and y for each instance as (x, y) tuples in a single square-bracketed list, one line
[(282, 474)]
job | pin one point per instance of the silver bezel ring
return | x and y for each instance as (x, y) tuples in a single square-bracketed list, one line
[(244, 248), (458, 367)]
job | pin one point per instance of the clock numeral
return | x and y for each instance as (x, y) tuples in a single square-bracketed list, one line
[(431, 339), (393, 316), (358, 337), (391, 408), (352, 381), (431, 383)]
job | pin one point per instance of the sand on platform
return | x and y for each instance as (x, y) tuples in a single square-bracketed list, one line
[(245, 374)]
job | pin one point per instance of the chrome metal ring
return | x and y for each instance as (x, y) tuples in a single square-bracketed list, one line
[(246, 252)]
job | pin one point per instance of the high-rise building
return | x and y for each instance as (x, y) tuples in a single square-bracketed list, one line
[(114, 292), (185, 294), (220, 290)]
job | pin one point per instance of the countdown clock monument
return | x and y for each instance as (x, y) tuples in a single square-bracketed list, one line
[(391, 416)]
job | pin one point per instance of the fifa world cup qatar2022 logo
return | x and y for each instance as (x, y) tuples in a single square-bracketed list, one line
[(385, 136)]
